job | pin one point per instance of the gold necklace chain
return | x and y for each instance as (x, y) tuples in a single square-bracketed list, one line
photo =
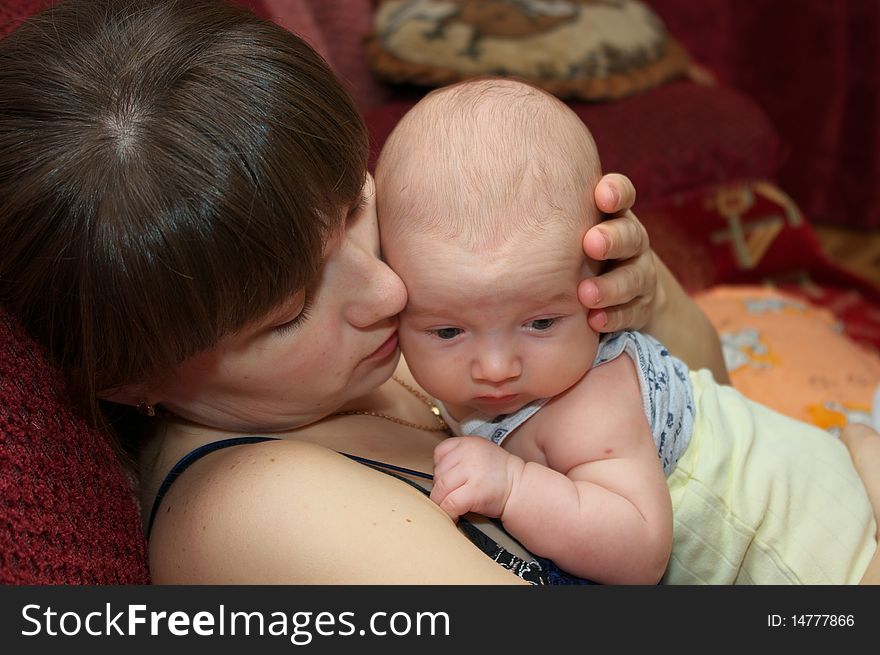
[(442, 427)]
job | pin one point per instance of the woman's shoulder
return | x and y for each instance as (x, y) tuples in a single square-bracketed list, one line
[(295, 512), (234, 506)]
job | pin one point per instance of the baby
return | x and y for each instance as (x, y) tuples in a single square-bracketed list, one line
[(582, 446), (487, 196)]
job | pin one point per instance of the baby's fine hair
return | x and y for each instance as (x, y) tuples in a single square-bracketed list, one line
[(483, 159), (170, 171)]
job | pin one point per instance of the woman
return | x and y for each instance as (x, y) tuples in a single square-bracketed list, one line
[(190, 232)]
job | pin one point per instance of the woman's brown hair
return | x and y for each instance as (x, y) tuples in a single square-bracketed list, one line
[(169, 172)]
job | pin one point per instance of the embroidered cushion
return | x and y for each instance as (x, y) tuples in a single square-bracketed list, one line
[(587, 49)]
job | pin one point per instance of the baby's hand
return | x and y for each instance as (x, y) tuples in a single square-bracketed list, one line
[(472, 474)]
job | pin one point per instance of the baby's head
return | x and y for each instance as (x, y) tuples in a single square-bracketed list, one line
[(485, 191)]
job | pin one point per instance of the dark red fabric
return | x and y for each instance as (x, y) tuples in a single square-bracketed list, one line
[(12, 12), (677, 137), (752, 233), (67, 510), (855, 304), (814, 66), (256, 6)]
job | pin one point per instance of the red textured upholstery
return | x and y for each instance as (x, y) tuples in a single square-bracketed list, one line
[(67, 512)]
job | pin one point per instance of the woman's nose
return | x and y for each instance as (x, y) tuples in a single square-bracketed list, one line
[(496, 362), (378, 294)]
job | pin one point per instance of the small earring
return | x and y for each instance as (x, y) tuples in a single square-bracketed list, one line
[(146, 409)]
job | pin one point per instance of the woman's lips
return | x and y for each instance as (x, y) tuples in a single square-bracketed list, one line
[(387, 347)]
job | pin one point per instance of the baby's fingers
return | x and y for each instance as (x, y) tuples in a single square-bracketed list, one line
[(456, 503), (444, 488), (442, 449), (864, 447)]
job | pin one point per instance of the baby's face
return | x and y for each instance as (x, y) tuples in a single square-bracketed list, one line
[(493, 331)]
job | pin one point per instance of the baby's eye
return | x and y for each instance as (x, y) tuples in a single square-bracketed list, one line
[(447, 333), (541, 323)]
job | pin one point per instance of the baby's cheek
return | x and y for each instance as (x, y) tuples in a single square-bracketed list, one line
[(571, 362), (406, 337), (435, 371), (418, 356)]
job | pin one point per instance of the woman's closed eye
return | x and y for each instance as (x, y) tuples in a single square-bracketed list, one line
[(295, 322)]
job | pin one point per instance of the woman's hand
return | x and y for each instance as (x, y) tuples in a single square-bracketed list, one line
[(627, 294), (637, 290)]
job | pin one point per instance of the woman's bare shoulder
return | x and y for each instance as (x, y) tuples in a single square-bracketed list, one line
[(222, 493), (294, 512)]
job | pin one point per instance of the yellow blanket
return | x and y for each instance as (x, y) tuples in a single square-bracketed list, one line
[(760, 498)]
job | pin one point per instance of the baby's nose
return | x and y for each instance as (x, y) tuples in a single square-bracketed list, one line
[(496, 364)]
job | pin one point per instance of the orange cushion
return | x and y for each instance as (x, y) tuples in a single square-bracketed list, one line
[(792, 356)]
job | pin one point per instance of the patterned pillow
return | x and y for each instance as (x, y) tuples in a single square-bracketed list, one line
[(587, 49)]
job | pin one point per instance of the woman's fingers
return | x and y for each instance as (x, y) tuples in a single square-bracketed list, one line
[(617, 238), (614, 193), (630, 279), (622, 296), (630, 316)]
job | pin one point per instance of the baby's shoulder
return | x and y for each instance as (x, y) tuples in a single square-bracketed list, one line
[(607, 398), (613, 384)]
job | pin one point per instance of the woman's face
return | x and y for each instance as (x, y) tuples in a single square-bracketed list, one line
[(326, 346)]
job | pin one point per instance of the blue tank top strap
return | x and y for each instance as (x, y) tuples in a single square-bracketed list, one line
[(191, 458)]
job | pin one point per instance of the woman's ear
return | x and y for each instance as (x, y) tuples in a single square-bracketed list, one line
[(130, 394)]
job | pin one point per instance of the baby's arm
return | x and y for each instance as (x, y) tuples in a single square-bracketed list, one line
[(600, 508)]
